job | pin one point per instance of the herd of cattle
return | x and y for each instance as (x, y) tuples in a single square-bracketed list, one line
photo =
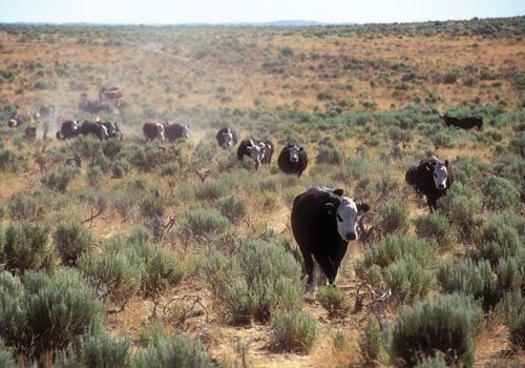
[(323, 220)]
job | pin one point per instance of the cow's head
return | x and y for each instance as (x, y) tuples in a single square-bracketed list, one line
[(439, 172), (160, 130), (227, 138), (294, 151), (185, 131), (346, 212), (13, 123)]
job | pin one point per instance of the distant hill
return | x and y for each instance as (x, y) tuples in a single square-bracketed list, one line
[(292, 23), (278, 23)]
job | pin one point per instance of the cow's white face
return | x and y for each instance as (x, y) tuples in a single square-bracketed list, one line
[(228, 139), (440, 174), (185, 131), (294, 153), (105, 133), (160, 130), (346, 217)]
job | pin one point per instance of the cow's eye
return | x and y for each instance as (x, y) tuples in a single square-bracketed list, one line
[(339, 218)]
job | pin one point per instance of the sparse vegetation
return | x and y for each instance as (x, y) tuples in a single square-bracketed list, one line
[(148, 254), (294, 331)]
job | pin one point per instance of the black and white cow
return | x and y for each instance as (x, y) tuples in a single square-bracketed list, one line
[(468, 122), (432, 178), (68, 129), (174, 131), (95, 128), (323, 222), (113, 130), (260, 152), (292, 159), (226, 138)]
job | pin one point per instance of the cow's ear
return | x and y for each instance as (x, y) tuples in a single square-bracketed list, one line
[(301, 149), (330, 208), (339, 192), (363, 207)]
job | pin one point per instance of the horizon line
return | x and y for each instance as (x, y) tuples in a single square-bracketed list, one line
[(282, 22)]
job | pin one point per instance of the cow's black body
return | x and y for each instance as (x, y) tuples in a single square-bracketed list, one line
[(68, 130), (288, 166), (469, 122), (96, 129), (174, 131), (421, 178), (315, 231)]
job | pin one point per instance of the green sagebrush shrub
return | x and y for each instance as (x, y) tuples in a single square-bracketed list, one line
[(120, 168), (178, 351), (395, 247), (46, 313), (394, 217), (26, 207), (470, 278), (59, 179), (371, 343), (435, 226), (6, 358), (501, 236), (211, 190), (328, 154), (233, 208), (10, 161), (500, 193), (257, 279), (294, 331), (72, 240), (463, 208), (407, 279), (129, 265), (333, 300), (511, 272), (447, 324), (512, 311), (27, 247), (94, 176), (516, 326), (100, 351), (201, 222)]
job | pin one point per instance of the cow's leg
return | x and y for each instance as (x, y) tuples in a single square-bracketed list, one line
[(328, 267), (337, 257), (309, 266), (432, 204)]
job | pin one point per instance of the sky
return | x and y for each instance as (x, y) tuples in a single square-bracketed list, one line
[(234, 11)]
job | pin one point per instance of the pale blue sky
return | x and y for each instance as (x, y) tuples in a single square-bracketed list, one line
[(219, 11)]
